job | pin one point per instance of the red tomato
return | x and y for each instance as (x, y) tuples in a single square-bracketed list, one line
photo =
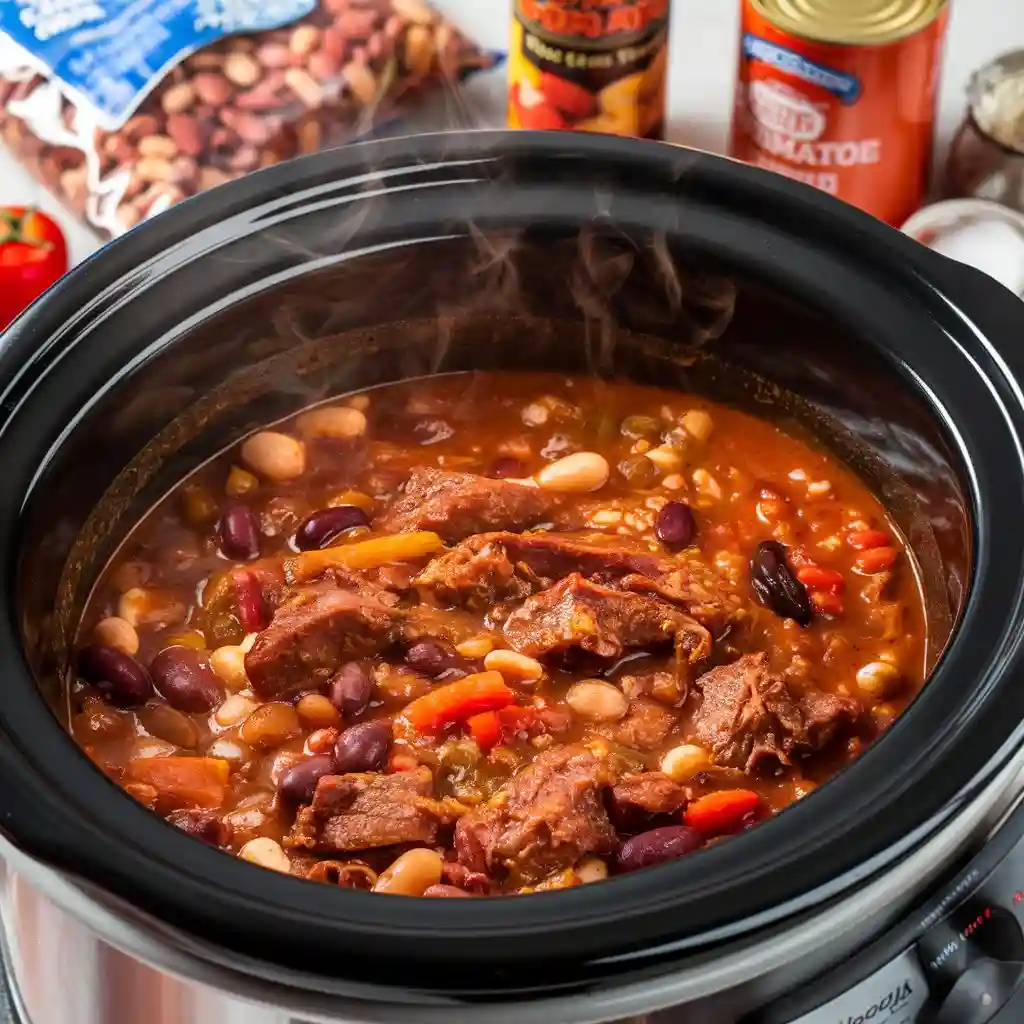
[(33, 254), (571, 99)]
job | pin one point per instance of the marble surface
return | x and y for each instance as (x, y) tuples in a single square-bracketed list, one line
[(704, 39)]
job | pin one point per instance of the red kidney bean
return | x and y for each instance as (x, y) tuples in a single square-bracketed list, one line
[(239, 533), (776, 587), (298, 783), (115, 674), (658, 846), (675, 526), (363, 747), (327, 525), (433, 657), (508, 466), (205, 825), (253, 613), (185, 681), (350, 689), (445, 891)]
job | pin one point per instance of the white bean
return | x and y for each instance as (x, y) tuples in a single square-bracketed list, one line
[(593, 869), (119, 633), (513, 665), (234, 710), (879, 679), (683, 762), (597, 700), (267, 854), (412, 874), (575, 474), (228, 664), (275, 456), (666, 458), (337, 421)]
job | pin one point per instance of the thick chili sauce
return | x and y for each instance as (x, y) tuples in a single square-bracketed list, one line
[(481, 634)]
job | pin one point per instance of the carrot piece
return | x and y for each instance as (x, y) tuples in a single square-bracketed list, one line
[(363, 554), (485, 728), (455, 702), (721, 812), (875, 560), (863, 540), (826, 603), (817, 578), (187, 781)]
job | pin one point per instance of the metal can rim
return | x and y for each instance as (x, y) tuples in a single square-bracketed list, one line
[(819, 21)]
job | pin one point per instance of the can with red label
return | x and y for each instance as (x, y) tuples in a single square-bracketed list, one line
[(589, 65), (841, 94)]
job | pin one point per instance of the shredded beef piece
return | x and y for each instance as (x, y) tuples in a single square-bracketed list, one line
[(547, 817), (698, 589), (363, 811), (576, 613), (493, 567), (456, 874), (669, 688), (749, 715), (644, 726), (456, 505), (637, 799), (203, 824), (315, 630)]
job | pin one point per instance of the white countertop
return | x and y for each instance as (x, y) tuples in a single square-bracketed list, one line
[(703, 61)]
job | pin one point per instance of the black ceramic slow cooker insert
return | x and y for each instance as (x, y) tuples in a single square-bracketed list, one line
[(436, 254)]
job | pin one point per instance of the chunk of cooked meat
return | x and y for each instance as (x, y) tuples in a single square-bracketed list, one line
[(316, 629), (360, 812), (636, 799), (698, 589), (644, 725), (576, 613), (547, 817), (493, 567), (456, 505), (749, 715)]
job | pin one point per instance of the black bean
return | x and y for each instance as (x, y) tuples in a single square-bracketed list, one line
[(239, 533), (115, 674), (185, 681), (326, 525), (350, 689), (658, 846), (298, 783), (509, 466), (363, 747), (675, 526), (433, 657), (776, 587)]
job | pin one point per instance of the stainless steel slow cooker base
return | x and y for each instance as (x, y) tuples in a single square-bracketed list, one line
[(74, 958)]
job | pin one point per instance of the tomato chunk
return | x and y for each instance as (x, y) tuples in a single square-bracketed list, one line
[(184, 781)]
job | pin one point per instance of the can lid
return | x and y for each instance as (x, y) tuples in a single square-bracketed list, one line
[(984, 235), (996, 96), (851, 22)]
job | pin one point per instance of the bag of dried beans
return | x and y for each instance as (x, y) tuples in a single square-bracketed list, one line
[(125, 107)]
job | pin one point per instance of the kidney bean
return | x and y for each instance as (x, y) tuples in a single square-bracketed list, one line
[(363, 747), (239, 533), (675, 526), (253, 613), (658, 846), (776, 587), (442, 891), (509, 466), (185, 681), (115, 674), (350, 689), (298, 784), (433, 657), (325, 526)]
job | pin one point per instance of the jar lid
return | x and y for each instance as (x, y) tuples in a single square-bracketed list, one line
[(996, 96), (983, 235), (851, 22)]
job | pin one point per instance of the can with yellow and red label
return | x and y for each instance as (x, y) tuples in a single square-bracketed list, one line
[(841, 94), (589, 65)]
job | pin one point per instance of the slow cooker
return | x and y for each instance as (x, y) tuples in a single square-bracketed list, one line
[(887, 894)]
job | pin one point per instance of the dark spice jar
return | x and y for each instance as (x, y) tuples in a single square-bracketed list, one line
[(499, 250)]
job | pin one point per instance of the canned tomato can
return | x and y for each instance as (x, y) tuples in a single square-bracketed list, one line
[(841, 94), (589, 65)]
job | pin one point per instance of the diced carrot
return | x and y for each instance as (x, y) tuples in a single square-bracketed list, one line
[(485, 728), (721, 812), (402, 763), (864, 540), (363, 554), (817, 578), (455, 702), (186, 781), (875, 560), (826, 603)]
